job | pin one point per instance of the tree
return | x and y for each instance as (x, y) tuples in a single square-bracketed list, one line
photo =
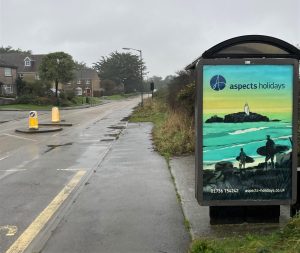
[(9, 49), (80, 65), (122, 69), (57, 67)]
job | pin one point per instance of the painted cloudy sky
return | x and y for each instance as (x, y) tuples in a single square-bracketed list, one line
[(171, 33)]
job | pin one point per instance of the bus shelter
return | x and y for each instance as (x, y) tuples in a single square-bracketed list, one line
[(246, 128)]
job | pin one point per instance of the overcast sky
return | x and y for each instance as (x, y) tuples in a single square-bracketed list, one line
[(170, 33)]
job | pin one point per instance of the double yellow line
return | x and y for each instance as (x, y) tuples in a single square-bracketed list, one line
[(21, 244)]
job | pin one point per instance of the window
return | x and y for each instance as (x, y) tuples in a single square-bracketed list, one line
[(27, 62), (78, 82), (7, 72), (8, 88), (88, 82), (78, 91)]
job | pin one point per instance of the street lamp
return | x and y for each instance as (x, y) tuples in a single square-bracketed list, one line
[(56, 82), (141, 58)]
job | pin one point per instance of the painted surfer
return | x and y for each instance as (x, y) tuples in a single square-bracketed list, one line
[(270, 151), (242, 159)]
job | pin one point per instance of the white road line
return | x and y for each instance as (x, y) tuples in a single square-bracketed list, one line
[(69, 169), (19, 137), (12, 170), (55, 134), (2, 158)]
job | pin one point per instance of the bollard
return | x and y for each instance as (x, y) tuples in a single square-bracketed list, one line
[(55, 115), (33, 122)]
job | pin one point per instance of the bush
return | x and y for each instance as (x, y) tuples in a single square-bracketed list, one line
[(187, 96), (26, 99), (37, 88), (70, 94), (65, 102), (31, 99), (43, 101), (178, 83)]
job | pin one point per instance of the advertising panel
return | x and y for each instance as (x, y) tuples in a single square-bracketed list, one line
[(247, 132)]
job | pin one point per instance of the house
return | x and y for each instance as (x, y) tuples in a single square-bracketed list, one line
[(86, 82), (8, 75), (27, 64)]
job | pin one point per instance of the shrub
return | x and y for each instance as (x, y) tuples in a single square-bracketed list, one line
[(32, 99), (43, 101), (26, 99), (65, 102), (187, 96), (182, 79), (70, 94)]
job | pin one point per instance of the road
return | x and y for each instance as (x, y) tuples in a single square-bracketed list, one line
[(34, 168)]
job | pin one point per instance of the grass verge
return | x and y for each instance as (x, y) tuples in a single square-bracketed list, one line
[(78, 102), (173, 132), (26, 107), (285, 241)]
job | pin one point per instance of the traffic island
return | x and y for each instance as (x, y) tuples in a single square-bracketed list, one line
[(40, 130), (56, 124)]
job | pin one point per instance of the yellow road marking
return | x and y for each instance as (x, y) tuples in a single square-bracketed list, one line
[(11, 230), (41, 220)]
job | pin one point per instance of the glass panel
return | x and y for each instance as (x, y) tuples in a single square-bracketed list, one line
[(253, 48), (7, 72)]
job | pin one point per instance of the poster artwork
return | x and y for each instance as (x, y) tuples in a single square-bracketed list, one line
[(247, 132)]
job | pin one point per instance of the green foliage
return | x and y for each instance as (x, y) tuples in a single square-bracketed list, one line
[(173, 132), (111, 87), (57, 67), (121, 68), (177, 85), (187, 96), (36, 88), (34, 100), (286, 240), (20, 84), (159, 82), (9, 49), (203, 247)]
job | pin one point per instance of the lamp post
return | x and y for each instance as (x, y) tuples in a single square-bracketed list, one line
[(56, 82), (141, 58)]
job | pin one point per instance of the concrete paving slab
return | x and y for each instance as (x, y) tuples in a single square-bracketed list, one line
[(129, 205), (183, 171)]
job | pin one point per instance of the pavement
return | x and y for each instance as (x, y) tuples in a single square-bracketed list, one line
[(183, 171), (128, 205)]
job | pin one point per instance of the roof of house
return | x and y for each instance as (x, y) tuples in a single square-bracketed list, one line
[(7, 65), (17, 59), (86, 73)]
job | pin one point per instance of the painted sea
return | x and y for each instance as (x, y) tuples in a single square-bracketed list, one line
[(223, 141)]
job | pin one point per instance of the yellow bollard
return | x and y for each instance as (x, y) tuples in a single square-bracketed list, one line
[(55, 115), (33, 122)]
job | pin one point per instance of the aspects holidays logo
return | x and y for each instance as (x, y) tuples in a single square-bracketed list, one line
[(217, 82)]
